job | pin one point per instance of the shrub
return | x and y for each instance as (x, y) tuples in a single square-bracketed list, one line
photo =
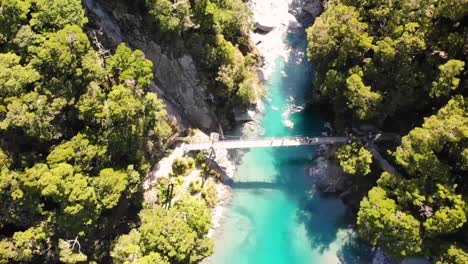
[(200, 159), (210, 194), (183, 166), (179, 180), (161, 188), (195, 186)]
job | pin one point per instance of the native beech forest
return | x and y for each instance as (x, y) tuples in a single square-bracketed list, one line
[(78, 132), (401, 66), (80, 129)]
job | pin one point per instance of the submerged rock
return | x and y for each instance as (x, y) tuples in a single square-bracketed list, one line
[(381, 258)]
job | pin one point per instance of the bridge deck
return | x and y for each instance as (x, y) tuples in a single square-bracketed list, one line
[(272, 142)]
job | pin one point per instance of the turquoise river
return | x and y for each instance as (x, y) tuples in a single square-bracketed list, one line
[(275, 215)]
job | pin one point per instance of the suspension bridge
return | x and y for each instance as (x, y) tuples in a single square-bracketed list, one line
[(265, 142), (243, 143)]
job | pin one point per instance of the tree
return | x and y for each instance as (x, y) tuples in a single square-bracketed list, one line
[(451, 214), (382, 224), (337, 37), (110, 185), (453, 255), (152, 258), (15, 78), (419, 149), (37, 114), (52, 15), (453, 9), (59, 60), (354, 159), (167, 231), (167, 235), (361, 98), (12, 14), (196, 213), (447, 80), (238, 84), (156, 126), (79, 152), (30, 243), (77, 132), (170, 15), (130, 68), (232, 18), (70, 252), (90, 106), (126, 248)]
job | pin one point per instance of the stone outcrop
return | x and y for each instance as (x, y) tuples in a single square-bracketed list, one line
[(177, 80), (263, 29), (313, 7), (242, 115)]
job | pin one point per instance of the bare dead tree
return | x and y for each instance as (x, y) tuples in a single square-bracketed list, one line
[(105, 53), (73, 242)]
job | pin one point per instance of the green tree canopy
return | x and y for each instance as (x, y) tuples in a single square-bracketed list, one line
[(170, 15), (354, 159), (51, 15), (12, 14), (14, 77), (176, 234), (382, 223), (447, 80)]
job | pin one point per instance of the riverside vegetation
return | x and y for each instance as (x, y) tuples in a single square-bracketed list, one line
[(401, 65), (79, 131)]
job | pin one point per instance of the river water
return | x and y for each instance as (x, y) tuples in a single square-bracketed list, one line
[(275, 215)]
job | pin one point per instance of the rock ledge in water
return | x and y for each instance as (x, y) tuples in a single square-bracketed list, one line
[(263, 29)]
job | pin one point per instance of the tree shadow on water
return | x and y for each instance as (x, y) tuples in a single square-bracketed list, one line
[(322, 217), (355, 251)]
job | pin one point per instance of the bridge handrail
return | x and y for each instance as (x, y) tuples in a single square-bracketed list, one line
[(266, 139)]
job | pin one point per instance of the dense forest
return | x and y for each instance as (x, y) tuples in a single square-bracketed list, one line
[(400, 66), (79, 130)]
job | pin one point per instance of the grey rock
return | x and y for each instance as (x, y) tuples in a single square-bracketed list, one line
[(381, 258), (313, 7), (415, 261), (261, 75), (263, 29), (243, 115)]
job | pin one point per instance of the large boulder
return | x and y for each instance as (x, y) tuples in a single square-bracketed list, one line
[(313, 7), (242, 115)]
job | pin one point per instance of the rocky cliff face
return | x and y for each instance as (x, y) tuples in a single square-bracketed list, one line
[(177, 80)]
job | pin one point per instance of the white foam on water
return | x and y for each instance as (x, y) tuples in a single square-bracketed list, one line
[(271, 45)]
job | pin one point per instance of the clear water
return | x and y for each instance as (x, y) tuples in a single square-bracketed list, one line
[(275, 215)]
